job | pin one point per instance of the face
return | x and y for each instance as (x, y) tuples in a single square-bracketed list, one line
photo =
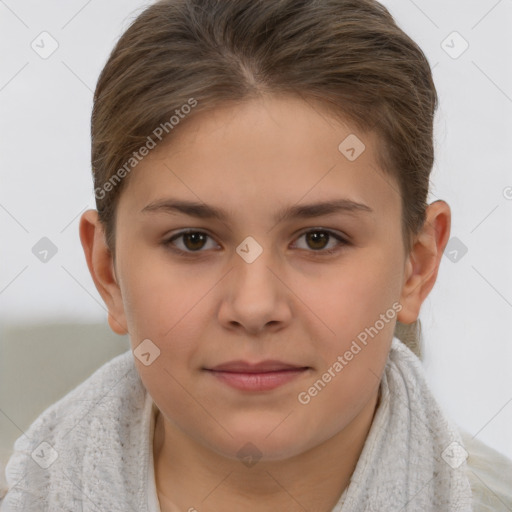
[(273, 318)]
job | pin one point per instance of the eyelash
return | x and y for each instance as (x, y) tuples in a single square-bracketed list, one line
[(168, 243)]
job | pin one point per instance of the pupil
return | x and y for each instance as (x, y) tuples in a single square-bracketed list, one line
[(318, 236), (195, 237)]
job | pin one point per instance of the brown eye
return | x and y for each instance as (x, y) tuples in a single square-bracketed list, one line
[(191, 241), (194, 241), (318, 240)]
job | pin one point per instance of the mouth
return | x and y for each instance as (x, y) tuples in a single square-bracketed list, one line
[(262, 376)]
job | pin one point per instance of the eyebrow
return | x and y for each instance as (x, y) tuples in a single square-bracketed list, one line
[(204, 211)]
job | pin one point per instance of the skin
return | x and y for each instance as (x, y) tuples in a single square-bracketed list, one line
[(293, 303)]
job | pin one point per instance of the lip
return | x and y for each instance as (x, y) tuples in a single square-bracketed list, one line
[(269, 365), (261, 376)]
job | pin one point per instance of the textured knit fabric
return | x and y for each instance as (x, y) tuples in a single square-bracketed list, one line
[(92, 451), (413, 458)]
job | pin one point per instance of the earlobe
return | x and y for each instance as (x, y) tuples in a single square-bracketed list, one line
[(423, 262), (101, 267)]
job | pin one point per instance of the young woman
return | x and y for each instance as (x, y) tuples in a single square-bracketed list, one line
[(261, 170)]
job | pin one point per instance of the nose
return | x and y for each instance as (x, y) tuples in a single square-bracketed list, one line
[(255, 297)]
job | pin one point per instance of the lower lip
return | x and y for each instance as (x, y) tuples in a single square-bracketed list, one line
[(257, 381)]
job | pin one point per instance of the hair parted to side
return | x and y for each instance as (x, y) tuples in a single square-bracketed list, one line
[(346, 55)]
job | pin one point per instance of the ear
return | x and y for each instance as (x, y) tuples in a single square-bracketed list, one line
[(423, 262), (101, 266)]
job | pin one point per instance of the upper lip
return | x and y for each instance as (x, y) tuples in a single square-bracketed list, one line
[(261, 367)]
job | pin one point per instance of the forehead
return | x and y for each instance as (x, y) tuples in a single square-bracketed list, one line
[(263, 153)]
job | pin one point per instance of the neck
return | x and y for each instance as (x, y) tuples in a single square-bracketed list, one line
[(189, 476)]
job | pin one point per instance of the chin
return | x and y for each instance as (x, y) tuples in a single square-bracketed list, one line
[(262, 441)]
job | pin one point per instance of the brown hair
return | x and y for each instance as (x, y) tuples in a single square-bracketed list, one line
[(348, 55)]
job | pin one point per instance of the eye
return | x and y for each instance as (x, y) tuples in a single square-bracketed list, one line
[(319, 239), (192, 241)]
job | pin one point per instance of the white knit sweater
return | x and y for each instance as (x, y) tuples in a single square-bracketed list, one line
[(93, 451)]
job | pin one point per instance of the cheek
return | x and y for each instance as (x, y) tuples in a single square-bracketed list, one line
[(359, 304), (166, 305), (160, 299), (353, 295)]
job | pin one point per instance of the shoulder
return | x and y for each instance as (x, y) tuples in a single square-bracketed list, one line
[(116, 380), (490, 475), (62, 436)]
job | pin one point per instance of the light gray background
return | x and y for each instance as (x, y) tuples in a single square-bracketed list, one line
[(46, 344)]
